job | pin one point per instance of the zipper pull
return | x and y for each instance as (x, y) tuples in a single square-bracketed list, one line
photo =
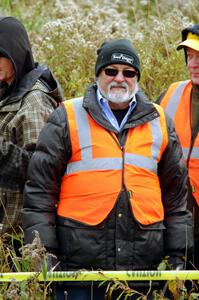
[(193, 189), (130, 194)]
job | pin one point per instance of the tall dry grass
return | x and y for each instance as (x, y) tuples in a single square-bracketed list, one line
[(66, 34)]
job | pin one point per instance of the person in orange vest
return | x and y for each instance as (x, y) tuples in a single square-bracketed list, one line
[(181, 102), (107, 185)]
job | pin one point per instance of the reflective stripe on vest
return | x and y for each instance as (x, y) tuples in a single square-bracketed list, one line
[(93, 178), (172, 106), (177, 103), (108, 163)]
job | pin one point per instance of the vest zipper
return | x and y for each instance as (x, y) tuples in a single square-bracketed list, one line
[(123, 159), (122, 148)]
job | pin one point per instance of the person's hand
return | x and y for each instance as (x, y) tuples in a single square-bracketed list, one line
[(171, 263), (176, 263)]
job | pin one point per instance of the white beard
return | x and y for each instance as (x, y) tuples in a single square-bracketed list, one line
[(118, 96)]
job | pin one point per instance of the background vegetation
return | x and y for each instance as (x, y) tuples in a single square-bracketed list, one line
[(65, 34)]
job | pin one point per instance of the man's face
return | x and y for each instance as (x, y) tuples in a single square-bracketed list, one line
[(116, 86), (193, 65), (7, 72)]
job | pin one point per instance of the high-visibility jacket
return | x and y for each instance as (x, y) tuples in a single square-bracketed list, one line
[(99, 166), (177, 103)]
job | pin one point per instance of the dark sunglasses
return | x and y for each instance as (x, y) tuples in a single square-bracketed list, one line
[(126, 73)]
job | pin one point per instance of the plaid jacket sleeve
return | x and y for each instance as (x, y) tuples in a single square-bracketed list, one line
[(25, 127)]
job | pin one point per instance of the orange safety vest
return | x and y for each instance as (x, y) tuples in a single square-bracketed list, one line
[(177, 103), (93, 178)]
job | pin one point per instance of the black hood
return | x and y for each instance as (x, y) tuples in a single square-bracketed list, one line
[(14, 44)]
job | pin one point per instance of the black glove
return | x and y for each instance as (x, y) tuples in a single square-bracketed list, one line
[(176, 263)]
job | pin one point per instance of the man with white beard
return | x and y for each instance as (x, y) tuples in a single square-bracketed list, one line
[(106, 187)]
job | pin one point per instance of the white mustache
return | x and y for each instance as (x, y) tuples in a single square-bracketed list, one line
[(119, 85)]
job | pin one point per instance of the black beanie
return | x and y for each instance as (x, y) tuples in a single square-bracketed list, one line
[(117, 52)]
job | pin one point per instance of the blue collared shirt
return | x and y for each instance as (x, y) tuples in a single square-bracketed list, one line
[(108, 114)]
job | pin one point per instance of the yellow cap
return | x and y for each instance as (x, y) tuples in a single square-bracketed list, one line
[(192, 41)]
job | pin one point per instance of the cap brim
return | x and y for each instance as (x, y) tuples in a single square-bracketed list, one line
[(193, 44)]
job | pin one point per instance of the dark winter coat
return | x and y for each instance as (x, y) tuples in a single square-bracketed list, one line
[(119, 242)]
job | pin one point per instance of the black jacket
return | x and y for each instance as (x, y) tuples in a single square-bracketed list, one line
[(118, 243)]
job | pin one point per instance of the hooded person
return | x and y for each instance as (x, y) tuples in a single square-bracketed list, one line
[(29, 92), (181, 102)]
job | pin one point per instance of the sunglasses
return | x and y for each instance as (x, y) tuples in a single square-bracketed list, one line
[(126, 73)]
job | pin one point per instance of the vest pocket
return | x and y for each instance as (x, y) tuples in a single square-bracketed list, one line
[(81, 245), (149, 245)]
